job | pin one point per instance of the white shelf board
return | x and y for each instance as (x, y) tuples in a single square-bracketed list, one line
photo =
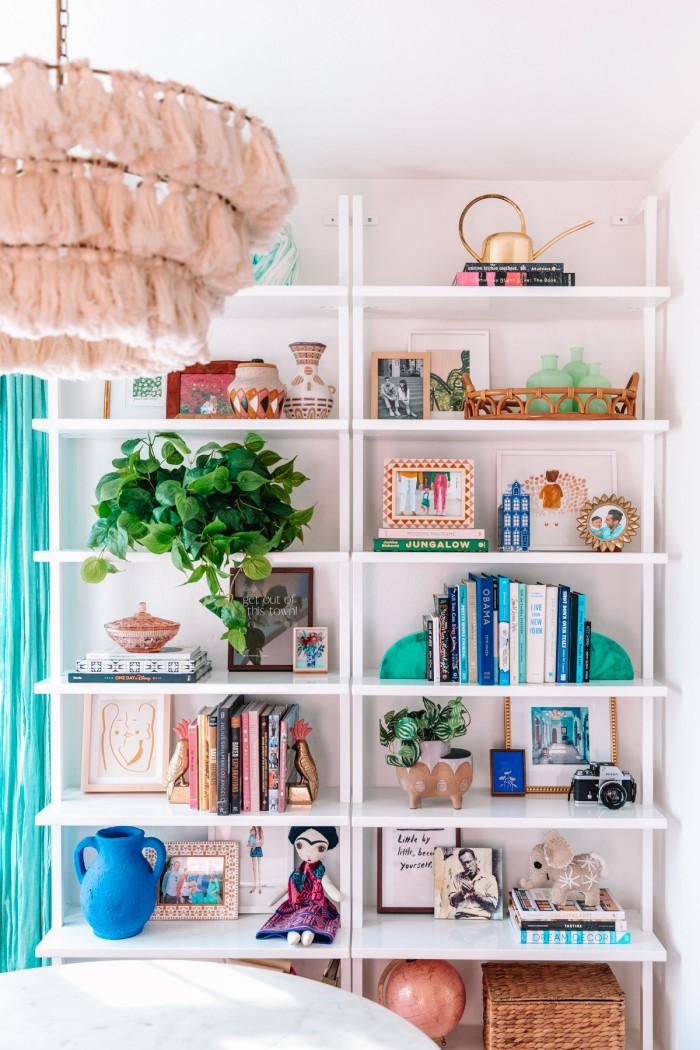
[(279, 301), (289, 557), (485, 428), (388, 808), (79, 810), (373, 685), (215, 683), (196, 939), (423, 937), (121, 428), (511, 304), (582, 557)]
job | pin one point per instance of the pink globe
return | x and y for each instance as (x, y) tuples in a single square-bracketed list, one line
[(429, 993)]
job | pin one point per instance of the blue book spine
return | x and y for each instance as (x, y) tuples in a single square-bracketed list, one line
[(503, 630), (453, 616), (580, 636), (462, 634), (522, 633), (484, 628), (563, 634)]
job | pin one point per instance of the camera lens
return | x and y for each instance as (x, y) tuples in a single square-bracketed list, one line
[(612, 795)]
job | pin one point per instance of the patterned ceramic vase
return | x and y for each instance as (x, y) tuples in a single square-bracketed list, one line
[(118, 889), (256, 391), (308, 396)]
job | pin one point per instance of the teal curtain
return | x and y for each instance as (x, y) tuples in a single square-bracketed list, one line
[(24, 728)]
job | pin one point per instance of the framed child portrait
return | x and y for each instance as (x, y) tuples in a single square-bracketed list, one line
[(400, 385)]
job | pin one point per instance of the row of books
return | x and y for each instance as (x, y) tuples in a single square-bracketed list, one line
[(537, 920), (491, 630), (238, 756), (490, 275), (170, 664)]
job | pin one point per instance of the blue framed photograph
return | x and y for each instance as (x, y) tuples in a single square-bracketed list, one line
[(507, 771)]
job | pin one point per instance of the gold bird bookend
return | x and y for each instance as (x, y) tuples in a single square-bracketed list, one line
[(177, 790), (304, 793)]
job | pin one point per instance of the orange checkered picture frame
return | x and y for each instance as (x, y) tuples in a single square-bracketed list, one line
[(428, 494)]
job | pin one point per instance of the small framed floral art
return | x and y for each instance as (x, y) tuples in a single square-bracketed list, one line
[(311, 650)]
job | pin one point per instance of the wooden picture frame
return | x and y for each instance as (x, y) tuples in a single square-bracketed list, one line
[(428, 494), (304, 659), (174, 401), (547, 730), (507, 772), (206, 869), (280, 602), (126, 743), (404, 878), (618, 524), (400, 386)]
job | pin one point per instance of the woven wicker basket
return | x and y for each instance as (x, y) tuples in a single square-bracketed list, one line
[(513, 402), (552, 1006)]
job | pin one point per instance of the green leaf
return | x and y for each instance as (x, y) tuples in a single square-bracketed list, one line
[(108, 486), (103, 509), (111, 567), (167, 492), (258, 546), (187, 506), (268, 458), (254, 443), (406, 728), (135, 500), (93, 570), (214, 526), (249, 481), (204, 484), (133, 525), (196, 575), (131, 445), (211, 446), (409, 752), (159, 538), (236, 638), (176, 440), (385, 737), (117, 541), (298, 478), (256, 568), (170, 454), (302, 517), (212, 579), (443, 731), (98, 533)]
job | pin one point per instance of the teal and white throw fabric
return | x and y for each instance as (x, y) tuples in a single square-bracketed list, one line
[(281, 264)]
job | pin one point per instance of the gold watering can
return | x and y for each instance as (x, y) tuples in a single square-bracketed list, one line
[(509, 247)]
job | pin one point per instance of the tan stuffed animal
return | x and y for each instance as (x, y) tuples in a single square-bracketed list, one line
[(554, 865)]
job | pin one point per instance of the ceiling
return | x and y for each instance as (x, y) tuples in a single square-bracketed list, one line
[(467, 89)]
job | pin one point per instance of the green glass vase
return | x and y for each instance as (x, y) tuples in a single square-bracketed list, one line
[(548, 376), (577, 369), (597, 405)]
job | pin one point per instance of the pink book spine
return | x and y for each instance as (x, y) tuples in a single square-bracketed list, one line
[(468, 280), (284, 737), (192, 754), (245, 741), (255, 761)]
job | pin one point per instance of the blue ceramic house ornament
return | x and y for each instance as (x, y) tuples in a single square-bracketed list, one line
[(514, 519)]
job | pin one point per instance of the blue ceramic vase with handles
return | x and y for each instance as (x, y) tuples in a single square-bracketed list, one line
[(118, 889)]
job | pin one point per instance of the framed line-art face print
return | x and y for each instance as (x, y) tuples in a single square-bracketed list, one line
[(405, 881), (559, 738), (126, 743), (452, 354), (199, 881), (428, 494), (559, 484), (274, 606)]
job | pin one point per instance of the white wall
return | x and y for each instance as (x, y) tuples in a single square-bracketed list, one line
[(678, 723)]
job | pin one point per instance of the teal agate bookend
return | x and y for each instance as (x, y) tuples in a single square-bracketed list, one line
[(405, 658), (609, 661)]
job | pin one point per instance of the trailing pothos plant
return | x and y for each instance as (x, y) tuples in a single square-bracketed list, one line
[(221, 508), (411, 728)]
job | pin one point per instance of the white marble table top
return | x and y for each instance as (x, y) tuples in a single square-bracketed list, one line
[(153, 1005)]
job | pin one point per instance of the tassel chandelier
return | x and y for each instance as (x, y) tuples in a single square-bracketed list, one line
[(129, 209)]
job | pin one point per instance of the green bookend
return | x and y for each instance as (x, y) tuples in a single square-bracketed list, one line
[(405, 658), (609, 660)]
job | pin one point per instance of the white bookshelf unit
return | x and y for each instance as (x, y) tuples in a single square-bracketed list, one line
[(390, 598)]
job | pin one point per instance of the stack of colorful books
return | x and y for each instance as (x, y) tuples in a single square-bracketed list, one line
[(170, 665), (493, 275), (536, 920)]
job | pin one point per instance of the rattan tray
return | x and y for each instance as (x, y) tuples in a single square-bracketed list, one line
[(512, 403)]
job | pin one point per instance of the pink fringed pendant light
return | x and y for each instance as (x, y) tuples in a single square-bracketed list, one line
[(129, 209)]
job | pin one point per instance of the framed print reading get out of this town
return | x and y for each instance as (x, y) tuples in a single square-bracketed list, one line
[(274, 606)]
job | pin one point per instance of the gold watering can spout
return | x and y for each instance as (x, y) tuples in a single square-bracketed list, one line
[(509, 247)]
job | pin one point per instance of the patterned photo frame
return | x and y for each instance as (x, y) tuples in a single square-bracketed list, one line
[(209, 869), (428, 494)]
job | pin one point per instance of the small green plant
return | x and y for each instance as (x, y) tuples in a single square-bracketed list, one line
[(411, 728), (224, 508)]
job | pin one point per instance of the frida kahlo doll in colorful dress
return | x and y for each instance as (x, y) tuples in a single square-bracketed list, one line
[(308, 913)]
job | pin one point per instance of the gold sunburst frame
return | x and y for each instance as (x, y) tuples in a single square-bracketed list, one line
[(630, 523)]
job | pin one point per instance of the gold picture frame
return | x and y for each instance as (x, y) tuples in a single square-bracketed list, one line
[(209, 870), (608, 522)]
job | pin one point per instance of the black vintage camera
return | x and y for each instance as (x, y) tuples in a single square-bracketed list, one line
[(604, 783)]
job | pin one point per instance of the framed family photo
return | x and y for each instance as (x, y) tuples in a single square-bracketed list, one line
[(201, 390), (400, 385), (199, 881), (451, 355), (405, 867), (428, 494), (559, 484), (558, 739), (274, 606), (126, 743)]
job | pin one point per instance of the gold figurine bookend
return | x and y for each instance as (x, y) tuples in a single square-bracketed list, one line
[(177, 791), (304, 792)]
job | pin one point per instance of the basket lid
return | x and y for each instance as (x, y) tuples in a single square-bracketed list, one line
[(560, 982), (141, 621)]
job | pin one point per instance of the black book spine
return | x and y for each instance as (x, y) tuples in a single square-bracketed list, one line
[(223, 763), (587, 651), (429, 648), (264, 763), (444, 654), (454, 636)]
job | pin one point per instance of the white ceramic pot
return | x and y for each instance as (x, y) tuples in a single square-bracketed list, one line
[(308, 395)]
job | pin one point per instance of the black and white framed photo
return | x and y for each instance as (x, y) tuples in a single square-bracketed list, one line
[(405, 867), (468, 882), (400, 385), (274, 606)]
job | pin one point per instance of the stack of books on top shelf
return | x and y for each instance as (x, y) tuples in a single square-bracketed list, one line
[(170, 665), (535, 920), (490, 275), (239, 756), (491, 630), (465, 540)]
